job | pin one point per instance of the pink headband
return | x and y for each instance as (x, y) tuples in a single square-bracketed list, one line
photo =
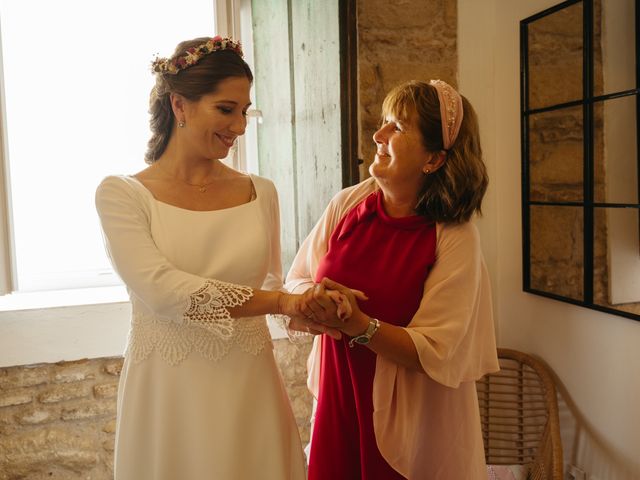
[(450, 111)]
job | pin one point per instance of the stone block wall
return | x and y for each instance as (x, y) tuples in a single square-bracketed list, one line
[(57, 421), (400, 41)]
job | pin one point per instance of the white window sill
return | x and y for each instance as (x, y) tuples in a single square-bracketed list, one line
[(53, 326), (63, 298)]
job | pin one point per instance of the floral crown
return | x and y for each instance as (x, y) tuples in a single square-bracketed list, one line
[(194, 54)]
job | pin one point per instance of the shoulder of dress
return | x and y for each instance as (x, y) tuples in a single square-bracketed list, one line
[(262, 181), (124, 182), (263, 184), (122, 187)]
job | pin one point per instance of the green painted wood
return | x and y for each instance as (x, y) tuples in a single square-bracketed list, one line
[(316, 66), (297, 81), (270, 19)]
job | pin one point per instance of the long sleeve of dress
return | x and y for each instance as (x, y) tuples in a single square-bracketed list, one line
[(273, 281), (168, 292)]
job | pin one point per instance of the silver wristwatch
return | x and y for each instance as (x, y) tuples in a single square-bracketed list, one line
[(374, 325)]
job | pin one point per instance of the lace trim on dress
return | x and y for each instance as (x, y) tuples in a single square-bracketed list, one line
[(207, 329), (207, 307), (175, 342)]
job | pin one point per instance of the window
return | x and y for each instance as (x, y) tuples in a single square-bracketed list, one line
[(580, 170), (95, 123), (76, 88)]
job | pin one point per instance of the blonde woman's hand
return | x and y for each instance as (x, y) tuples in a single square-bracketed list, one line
[(331, 307), (358, 321)]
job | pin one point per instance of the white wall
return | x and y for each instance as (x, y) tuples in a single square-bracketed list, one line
[(595, 356)]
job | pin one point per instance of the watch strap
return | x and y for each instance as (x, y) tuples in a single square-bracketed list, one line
[(363, 339)]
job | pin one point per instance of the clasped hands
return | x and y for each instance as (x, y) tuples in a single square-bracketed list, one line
[(331, 308)]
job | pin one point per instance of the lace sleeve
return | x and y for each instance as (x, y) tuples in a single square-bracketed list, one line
[(208, 306)]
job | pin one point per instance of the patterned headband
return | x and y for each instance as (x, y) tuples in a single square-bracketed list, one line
[(450, 111), (194, 54)]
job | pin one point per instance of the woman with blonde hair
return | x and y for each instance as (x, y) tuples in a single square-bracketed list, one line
[(396, 395)]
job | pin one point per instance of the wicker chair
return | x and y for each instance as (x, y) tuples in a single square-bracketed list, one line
[(519, 414)]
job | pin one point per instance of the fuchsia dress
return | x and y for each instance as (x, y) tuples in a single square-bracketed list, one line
[(389, 259)]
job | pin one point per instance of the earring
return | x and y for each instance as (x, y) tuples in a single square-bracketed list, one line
[(427, 171), (181, 124)]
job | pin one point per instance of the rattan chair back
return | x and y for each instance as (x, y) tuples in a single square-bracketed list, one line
[(519, 414)]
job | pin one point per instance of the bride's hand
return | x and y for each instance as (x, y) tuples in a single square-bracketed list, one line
[(291, 304), (294, 306)]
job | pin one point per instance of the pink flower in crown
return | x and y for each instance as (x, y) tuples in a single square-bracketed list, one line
[(192, 56)]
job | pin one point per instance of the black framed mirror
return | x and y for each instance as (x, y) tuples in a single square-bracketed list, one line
[(580, 163)]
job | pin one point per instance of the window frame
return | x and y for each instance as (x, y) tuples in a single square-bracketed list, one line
[(93, 322)]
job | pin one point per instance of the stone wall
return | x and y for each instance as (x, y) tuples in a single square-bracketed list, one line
[(400, 41), (57, 421)]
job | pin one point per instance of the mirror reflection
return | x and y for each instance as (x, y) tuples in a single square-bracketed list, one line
[(581, 162), (556, 142), (616, 281), (557, 250), (614, 46), (615, 151), (555, 58)]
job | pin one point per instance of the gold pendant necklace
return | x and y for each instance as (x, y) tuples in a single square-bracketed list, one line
[(202, 187)]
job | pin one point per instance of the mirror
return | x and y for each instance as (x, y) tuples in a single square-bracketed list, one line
[(581, 203)]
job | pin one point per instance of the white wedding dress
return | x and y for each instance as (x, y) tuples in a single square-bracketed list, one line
[(200, 395)]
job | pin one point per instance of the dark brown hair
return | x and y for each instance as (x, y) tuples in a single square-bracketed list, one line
[(192, 83), (454, 192)]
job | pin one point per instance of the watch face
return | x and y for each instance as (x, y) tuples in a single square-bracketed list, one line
[(362, 340)]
